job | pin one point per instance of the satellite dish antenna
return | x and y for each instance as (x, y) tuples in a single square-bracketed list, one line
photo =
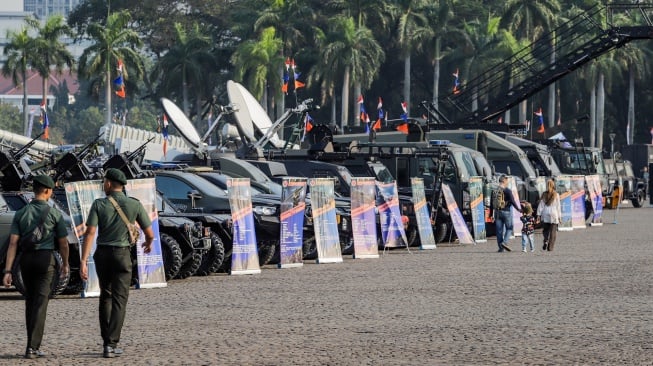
[(251, 112), (183, 126), (241, 112)]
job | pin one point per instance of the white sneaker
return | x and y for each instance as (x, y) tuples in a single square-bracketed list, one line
[(524, 250), (532, 250)]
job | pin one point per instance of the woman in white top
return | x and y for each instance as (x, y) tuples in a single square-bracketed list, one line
[(548, 212)]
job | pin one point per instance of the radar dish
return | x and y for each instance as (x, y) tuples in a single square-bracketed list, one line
[(251, 112), (241, 112), (182, 124)]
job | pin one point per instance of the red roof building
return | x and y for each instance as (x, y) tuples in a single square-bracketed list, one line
[(12, 94)]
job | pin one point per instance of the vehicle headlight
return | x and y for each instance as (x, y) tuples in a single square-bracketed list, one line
[(265, 210)]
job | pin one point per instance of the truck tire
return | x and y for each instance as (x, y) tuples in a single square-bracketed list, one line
[(171, 253), (309, 248), (347, 244), (440, 232), (189, 265), (266, 253), (58, 283), (412, 235), (639, 199), (213, 258)]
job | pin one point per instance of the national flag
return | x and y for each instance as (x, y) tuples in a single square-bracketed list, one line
[(403, 126), (404, 115), (121, 92), (308, 123), (380, 104), (540, 118), (287, 63), (456, 82), (119, 81), (119, 67), (46, 126), (364, 117), (286, 78), (298, 84), (164, 132), (377, 125)]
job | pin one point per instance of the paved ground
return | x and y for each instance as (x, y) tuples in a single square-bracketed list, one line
[(588, 302)]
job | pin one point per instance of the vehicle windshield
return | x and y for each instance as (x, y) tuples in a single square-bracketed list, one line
[(629, 170), (465, 165), (345, 174), (382, 173)]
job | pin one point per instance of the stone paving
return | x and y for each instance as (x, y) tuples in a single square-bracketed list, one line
[(588, 302)]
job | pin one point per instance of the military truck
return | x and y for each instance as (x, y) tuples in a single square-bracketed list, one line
[(621, 174)]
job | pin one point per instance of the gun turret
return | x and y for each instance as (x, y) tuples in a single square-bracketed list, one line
[(13, 168), (129, 163), (72, 165)]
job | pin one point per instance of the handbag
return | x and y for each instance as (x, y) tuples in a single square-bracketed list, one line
[(134, 231), (28, 242)]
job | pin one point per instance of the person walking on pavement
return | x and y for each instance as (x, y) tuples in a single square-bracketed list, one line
[(549, 213), (112, 257), (37, 262), (500, 205)]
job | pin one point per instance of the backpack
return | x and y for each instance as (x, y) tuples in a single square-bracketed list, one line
[(498, 199)]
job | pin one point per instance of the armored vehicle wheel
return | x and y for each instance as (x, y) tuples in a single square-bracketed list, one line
[(171, 253), (213, 258), (412, 234), (190, 264), (266, 253), (58, 284), (639, 199), (347, 245), (440, 232), (309, 248), (75, 286)]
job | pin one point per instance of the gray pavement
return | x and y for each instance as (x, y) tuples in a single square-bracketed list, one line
[(588, 302)]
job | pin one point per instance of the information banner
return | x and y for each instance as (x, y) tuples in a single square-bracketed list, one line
[(578, 202), (151, 272), (80, 197), (478, 209), (459, 224), (244, 257), (596, 198), (392, 227), (517, 225), (323, 208), (422, 214), (293, 194), (363, 217), (563, 187)]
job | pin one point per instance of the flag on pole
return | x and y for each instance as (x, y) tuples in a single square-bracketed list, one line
[(296, 74), (540, 118), (381, 115), (45, 121), (164, 132), (119, 81), (308, 125), (403, 126), (456, 82), (363, 113)]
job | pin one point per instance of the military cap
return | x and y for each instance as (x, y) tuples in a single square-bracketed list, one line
[(44, 181), (116, 176)]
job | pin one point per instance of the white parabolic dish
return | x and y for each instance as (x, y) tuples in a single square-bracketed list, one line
[(182, 124), (249, 113)]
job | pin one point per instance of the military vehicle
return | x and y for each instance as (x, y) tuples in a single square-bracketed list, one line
[(621, 174)]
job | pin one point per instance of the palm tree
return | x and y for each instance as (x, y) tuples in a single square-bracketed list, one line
[(19, 52), (354, 52), (292, 20), (185, 65), (112, 42), (412, 30), (49, 48), (257, 63), (530, 19), (440, 14)]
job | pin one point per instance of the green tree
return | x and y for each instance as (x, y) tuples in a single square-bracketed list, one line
[(111, 42), (48, 48), (10, 118), (355, 53), (412, 31), (186, 64), (19, 52)]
